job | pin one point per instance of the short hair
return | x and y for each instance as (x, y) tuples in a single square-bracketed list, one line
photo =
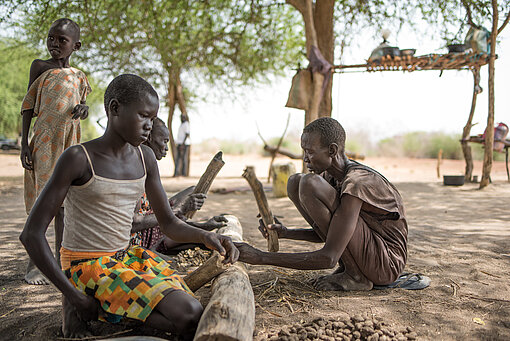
[(158, 123), (73, 26), (127, 88), (329, 130)]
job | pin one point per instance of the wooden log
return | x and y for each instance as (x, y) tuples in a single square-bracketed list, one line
[(214, 265), (208, 177), (230, 313), (206, 272), (265, 212)]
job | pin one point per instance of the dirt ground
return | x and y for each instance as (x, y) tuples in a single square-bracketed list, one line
[(458, 236)]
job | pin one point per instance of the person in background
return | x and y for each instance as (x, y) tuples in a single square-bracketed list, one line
[(183, 143)]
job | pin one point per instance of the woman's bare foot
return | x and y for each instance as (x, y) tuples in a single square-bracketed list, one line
[(33, 276), (342, 281), (72, 326)]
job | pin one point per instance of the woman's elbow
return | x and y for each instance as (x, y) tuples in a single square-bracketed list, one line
[(25, 238)]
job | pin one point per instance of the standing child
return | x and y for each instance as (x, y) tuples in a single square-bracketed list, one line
[(56, 95), (101, 182)]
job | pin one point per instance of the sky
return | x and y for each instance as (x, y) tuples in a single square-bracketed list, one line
[(379, 104)]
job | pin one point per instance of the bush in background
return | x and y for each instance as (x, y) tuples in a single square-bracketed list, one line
[(232, 147), (413, 145), (421, 145)]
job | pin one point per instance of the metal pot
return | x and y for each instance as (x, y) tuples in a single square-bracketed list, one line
[(390, 51), (456, 48)]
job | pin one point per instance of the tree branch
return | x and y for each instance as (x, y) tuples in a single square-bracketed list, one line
[(468, 13), (502, 27)]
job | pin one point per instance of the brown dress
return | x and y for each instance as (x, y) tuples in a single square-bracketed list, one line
[(379, 243), (52, 96)]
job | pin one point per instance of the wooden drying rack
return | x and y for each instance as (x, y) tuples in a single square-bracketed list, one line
[(450, 61)]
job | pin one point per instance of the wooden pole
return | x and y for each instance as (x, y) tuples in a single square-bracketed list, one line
[(230, 313), (208, 177), (265, 212), (273, 156), (466, 148), (439, 156), (489, 131)]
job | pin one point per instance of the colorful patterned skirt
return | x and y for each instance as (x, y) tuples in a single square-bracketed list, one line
[(130, 287)]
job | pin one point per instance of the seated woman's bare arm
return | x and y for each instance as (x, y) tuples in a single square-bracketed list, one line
[(173, 227), (71, 167), (341, 229)]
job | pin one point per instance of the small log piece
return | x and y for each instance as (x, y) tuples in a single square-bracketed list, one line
[(208, 177), (230, 313), (265, 212), (207, 271)]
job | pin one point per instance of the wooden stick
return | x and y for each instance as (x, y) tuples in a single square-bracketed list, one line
[(208, 177), (283, 151), (439, 157), (207, 271), (277, 148), (230, 313), (265, 212)]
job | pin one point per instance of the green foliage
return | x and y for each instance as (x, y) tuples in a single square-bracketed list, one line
[(222, 42), (449, 143), (95, 101), (15, 61), (212, 146), (421, 145)]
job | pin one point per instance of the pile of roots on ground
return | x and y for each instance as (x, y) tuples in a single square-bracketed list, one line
[(191, 258), (358, 327)]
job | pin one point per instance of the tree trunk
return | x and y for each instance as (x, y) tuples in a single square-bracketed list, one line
[(181, 101), (466, 148), (489, 131), (305, 7), (323, 20), (171, 109)]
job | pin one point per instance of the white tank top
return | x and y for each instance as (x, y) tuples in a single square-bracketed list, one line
[(98, 214)]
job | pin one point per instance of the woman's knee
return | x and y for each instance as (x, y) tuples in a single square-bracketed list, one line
[(309, 184), (293, 186), (182, 309), (190, 312)]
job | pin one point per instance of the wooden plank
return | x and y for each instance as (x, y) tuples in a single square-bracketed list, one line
[(265, 212), (208, 177)]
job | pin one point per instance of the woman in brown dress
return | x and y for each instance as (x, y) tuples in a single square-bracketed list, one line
[(355, 211)]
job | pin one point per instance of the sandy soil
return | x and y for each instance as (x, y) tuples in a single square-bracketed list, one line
[(458, 236)]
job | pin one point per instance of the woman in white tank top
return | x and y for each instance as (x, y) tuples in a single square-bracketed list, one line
[(101, 181)]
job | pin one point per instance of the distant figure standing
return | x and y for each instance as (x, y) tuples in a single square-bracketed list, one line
[(182, 142)]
